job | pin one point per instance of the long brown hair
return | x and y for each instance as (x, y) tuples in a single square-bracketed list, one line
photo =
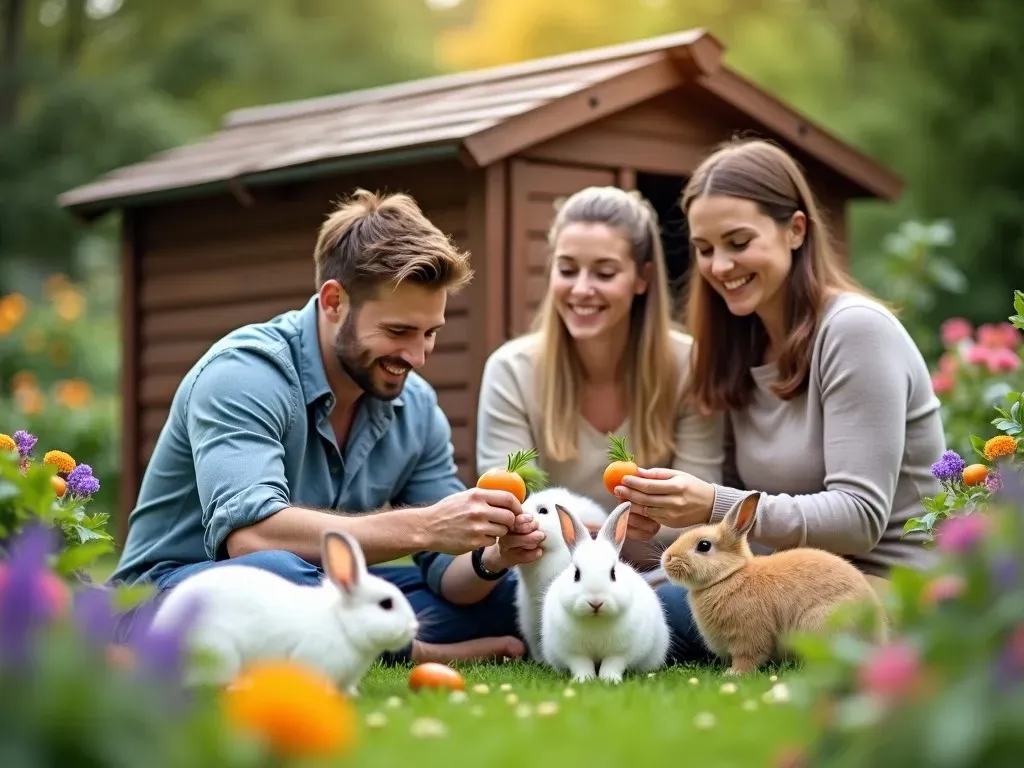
[(726, 346), (652, 389)]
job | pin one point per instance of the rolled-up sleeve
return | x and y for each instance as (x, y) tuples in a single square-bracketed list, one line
[(239, 408), (434, 477)]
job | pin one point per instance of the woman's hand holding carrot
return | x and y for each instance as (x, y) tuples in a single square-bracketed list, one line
[(671, 497)]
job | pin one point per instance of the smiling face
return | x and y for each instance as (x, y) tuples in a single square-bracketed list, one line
[(594, 279), (744, 255), (380, 341)]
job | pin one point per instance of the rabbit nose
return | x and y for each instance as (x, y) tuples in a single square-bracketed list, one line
[(595, 605)]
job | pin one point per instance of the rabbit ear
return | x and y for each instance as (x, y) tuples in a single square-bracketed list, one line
[(573, 531), (342, 560), (743, 514), (614, 528)]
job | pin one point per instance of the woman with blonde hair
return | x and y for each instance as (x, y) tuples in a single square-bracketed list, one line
[(603, 358), (829, 404)]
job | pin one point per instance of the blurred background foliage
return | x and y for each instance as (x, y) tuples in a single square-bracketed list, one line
[(929, 87)]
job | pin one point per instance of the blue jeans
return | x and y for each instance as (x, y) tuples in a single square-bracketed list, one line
[(494, 616)]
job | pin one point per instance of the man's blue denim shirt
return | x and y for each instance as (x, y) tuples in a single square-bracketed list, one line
[(248, 434)]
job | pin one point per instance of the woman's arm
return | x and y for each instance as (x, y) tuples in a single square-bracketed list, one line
[(865, 373), (865, 370), (502, 426)]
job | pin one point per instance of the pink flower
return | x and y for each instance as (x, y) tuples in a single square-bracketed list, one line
[(977, 354), (942, 383), (960, 534), (999, 336), (1001, 359), (893, 672), (949, 363), (948, 586), (955, 330)]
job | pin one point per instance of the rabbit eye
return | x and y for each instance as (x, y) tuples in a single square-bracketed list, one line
[(613, 573), (577, 576), (387, 603), (542, 510), (703, 545)]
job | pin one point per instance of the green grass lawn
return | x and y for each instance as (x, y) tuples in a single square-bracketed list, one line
[(650, 720)]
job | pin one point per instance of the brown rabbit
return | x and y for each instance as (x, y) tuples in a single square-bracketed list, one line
[(744, 605)]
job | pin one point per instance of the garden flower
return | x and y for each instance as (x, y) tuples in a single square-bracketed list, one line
[(62, 461), (949, 363), (81, 481), (942, 383), (961, 533), (93, 611), (948, 586), (998, 336), (993, 482), (949, 467), (977, 355), (294, 710), (954, 330), (26, 443), (893, 672), (30, 594), (999, 446), (7, 443), (161, 651), (1002, 360)]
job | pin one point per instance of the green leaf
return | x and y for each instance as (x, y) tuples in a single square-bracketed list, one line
[(129, 596), (75, 558), (978, 444)]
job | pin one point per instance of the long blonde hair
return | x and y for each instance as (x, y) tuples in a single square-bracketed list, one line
[(652, 389)]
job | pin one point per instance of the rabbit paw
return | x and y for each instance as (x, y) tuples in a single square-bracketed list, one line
[(612, 669), (582, 669)]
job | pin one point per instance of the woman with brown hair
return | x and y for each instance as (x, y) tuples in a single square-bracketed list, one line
[(830, 409), (603, 357)]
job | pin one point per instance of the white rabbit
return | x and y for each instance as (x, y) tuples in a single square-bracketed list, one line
[(247, 614), (534, 578), (599, 612)]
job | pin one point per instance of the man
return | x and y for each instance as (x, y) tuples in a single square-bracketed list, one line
[(315, 421)]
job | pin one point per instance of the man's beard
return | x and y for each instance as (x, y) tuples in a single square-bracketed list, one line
[(358, 362)]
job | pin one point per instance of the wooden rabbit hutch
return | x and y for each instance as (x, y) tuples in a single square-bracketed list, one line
[(220, 232)]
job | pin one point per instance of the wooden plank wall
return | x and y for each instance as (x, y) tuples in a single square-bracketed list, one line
[(210, 266), (535, 186)]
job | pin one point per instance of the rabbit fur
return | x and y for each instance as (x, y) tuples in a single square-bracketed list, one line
[(600, 618), (339, 627), (535, 578), (744, 605)]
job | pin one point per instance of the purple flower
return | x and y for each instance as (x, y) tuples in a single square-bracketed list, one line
[(960, 534), (993, 482), (24, 604), (94, 614), (162, 650), (81, 481), (26, 443), (949, 467), (1005, 572)]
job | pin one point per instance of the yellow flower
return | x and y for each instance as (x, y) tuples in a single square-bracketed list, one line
[(7, 443), (62, 461), (1000, 445), (294, 710), (69, 305)]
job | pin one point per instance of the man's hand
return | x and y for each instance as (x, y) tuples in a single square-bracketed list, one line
[(520, 546), (470, 519)]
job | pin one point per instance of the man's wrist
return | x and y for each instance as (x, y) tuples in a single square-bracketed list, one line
[(492, 560), (419, 530)]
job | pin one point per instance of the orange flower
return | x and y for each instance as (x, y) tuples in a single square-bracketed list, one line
[(29, 400), (13, 308), (22, 380), (7, 443), (73, 393), (295, 710), (62, 461), (1000, 445), (69, 305)]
